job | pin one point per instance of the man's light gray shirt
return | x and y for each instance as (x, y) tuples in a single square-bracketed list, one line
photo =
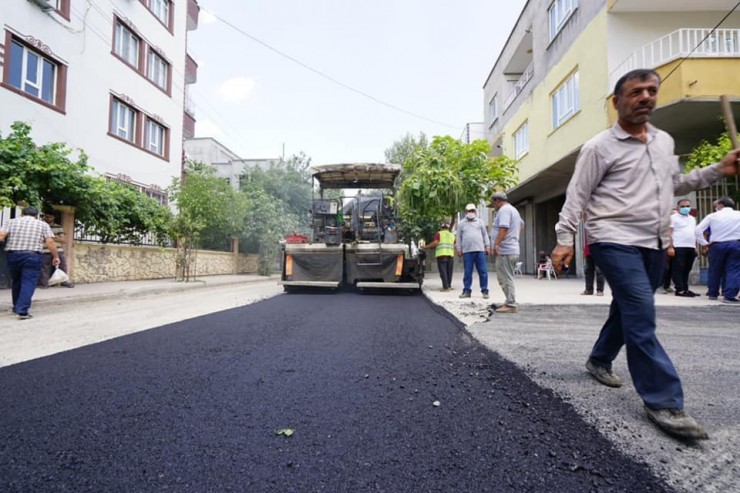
[(507, 217), (627, 189), (471, 236)]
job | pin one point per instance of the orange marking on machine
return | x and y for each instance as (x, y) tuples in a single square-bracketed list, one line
[(399, 265), (289, 265)]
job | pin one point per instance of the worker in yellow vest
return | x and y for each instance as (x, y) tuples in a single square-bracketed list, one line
[(444, 242)]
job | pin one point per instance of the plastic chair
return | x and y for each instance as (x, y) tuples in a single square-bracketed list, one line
[(547, 269), (518, 269)]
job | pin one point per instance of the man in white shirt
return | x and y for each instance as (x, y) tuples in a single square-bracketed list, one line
[(724, 249), (682, 247)]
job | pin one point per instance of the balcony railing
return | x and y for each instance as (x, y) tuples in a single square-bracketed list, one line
[(188, 125), (193, 11), (519, 85), (722, 43), (191, 70)]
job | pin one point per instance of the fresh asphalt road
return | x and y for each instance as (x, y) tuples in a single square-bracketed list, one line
[(384, 393)]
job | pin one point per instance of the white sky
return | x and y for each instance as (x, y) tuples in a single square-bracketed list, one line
[(428, 57)]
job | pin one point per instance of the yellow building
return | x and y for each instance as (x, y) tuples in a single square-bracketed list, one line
[(550, 89)]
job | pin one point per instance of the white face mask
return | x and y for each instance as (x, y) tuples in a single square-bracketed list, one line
[(470, 215)]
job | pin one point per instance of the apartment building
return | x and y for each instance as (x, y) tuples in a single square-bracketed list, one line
[(228, 165), (109, 77), (550, 89)]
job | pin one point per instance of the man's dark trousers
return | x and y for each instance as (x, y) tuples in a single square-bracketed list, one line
[(681, 264), (445, 264), (477, 260), (724, 260), (634, 273), (24, 268)]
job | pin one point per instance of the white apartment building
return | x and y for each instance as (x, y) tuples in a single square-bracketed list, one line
[(105, 76), (228, 165)]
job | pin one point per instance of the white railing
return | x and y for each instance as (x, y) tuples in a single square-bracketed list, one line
[(519, 85), (188, 103), (722, 43)]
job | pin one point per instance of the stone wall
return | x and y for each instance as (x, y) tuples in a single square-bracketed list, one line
[(104, 262)]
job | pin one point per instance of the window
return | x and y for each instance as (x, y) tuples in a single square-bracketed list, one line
[(493, 109), (521, 141), (559, 13), (123, 121), (32, 73), (157, 70), (155, 134), (565, 101), (126, 45), (161, 9)]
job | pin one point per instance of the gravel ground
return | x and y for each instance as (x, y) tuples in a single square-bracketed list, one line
[(383, 393), (551, 344)]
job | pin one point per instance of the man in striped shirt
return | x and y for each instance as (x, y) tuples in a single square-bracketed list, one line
[(26, 237)]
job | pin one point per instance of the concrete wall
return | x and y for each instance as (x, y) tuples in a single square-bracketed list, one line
[(103, 263)]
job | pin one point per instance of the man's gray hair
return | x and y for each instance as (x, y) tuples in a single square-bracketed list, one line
[(30, 211)]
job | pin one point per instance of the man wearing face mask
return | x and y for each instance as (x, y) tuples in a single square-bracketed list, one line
[(473, 244), (682, 248)]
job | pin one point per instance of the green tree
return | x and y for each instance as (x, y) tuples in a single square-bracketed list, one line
[(441, 178), (210, 213), (403, 149), (47, 175), (288, 183), (39, 175), (708, 153)]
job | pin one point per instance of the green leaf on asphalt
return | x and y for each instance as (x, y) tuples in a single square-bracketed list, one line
[(286, 432)]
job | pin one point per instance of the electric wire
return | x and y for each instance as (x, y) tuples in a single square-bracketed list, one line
[(326, 76), (682, 59)]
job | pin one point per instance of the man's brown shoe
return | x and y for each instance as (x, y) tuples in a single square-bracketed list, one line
[(507, 309), (603, 375), (677, 423)]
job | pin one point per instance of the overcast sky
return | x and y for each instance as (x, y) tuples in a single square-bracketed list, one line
[(426, 57)]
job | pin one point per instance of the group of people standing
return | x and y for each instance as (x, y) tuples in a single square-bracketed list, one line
[(473, 244), (718, 236)]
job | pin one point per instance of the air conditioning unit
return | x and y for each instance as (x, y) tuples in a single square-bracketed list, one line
[(45, 5)]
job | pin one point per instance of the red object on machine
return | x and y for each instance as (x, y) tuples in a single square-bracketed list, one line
[(296, 238)]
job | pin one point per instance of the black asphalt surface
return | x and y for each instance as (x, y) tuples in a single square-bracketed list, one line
[(195, 406)]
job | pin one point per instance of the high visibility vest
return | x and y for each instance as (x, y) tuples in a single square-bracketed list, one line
[(446, 245)]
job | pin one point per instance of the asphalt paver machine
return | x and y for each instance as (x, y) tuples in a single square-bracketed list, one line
[(354, 239)]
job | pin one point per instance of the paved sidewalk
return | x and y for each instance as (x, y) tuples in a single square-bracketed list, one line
[(122, 289), (531, 291)]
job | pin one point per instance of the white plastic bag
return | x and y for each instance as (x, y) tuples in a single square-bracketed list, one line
[(58, 277)]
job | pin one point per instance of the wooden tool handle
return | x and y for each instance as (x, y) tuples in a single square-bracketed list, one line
[(729, 121)]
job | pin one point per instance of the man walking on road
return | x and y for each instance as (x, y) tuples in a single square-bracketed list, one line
[(473, 245), (505, 239), (724, 250), (625, 179), (26, 239)]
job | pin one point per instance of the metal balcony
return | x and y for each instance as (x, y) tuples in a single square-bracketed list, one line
[(519, 85), (191, 70), (193, 11), (682, 43)]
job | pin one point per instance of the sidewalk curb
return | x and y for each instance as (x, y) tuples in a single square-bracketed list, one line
[(123, 292)]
